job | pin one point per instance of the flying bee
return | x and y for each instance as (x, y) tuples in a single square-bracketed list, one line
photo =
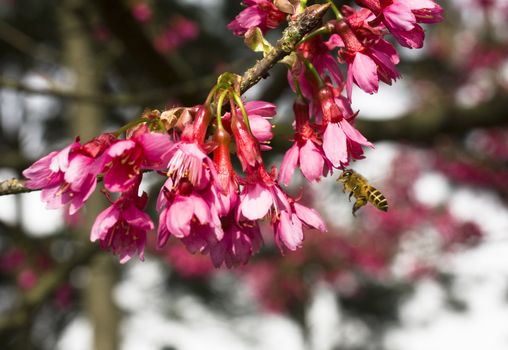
[(358, 186)]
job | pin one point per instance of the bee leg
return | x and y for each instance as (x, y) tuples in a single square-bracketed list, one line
[(352, 192), (360, 202)]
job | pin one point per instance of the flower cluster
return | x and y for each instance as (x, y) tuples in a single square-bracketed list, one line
[(213, 208), (324, 135)]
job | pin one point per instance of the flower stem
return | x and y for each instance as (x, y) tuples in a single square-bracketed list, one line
[(335, 10), (220, 102), (311, 69), (239, 102)]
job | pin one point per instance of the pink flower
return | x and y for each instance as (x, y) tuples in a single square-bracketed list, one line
[(288, 226), (188, 161), (318, 53), (65, 177), (401, 17), (188, 198), (259, 13), (367, 65), (240, 241), (142, 12), (260, 194), (259, 114), (126, 158), (123, 226), (247, 146), (306, 152), (340, 139), (49, 170)]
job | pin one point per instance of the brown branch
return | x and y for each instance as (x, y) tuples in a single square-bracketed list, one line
[(290, 37), (13, 186)]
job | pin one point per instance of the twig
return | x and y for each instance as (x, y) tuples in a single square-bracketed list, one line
[(291, 35), (309, 20)]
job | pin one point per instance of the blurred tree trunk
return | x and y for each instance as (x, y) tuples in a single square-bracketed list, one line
[(86, 120)]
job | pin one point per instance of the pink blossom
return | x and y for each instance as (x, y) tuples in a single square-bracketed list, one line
[(49, 170), (288, 226), (126, 158), (58, 178), (340, 139), (142, 12), (240, 241), (259, 13), (259, 114), (188, 198), (401, 17), (306, 152), (27, 279), (123, 226), (367, 65), (318, 54)]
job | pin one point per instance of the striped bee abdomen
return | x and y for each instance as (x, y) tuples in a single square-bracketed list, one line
[(377, 198)]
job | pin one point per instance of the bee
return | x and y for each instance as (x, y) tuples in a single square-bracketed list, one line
[(358, 186)]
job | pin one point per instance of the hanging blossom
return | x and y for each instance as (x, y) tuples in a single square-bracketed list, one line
[(185, 201), (127, 158), (69, 176), (259, 13), (306, 152), (122, 228), (341, 141), (401, 18), (368, 61), (262, 196)]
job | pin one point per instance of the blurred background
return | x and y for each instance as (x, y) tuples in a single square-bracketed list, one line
[(431, 273)]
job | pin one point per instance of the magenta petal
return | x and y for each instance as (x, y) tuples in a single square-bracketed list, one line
[(399, 16), (201, 209), (310, 217), (162, 232), (104, 222), (334, 41), (155, 145), (119, 178), (353, 134), (79, 197), (256, 202), (290, 231), (288, 164), (78, 167), (137, 218), (120, 147), (39, 174), (335, 145), (260, 108), (261, 128), (311, 161), (364, 71), (179, 217)]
